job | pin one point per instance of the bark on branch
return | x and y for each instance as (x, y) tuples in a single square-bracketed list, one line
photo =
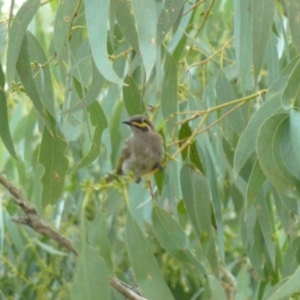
[(126, 290), (32, 218)]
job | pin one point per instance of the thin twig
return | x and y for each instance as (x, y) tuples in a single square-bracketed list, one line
[(32, 218), (210, 57), (127, 291)]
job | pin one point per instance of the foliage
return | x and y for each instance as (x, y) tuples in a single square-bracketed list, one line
[(220, 81)]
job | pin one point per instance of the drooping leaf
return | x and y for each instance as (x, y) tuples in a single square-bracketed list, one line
[(92, 93), (132, 98), (126, 23), (41, 75), (269, 143), (291, 92), (169, 90), (255, 183), (97, 14), (293, 9), (145, 267), (4, 126), (99, 121), (62, 24), (225, 94), (16, 35), (246, 146), (286, 288), (262, 19), (197, 198), (173, 238), (146, 22), (25, 73), (91, 276), (168, 17), (52, 157), (243, 41)]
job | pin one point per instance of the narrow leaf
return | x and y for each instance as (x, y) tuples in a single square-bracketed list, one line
[(291, 92), (4, 125), (92, 93), (287, 287), (145, 267), (169, 89), (197, 198), (99, 121), (293, 8), (53, 159), (25, 73), (91, 276), (255, 183), (173, 238), (62, 24), (126, 23), (16, 34), (97, 14), (132, 98), (146, 22), (262, 19), (168, 17)]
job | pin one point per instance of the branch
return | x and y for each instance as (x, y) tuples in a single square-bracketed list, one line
[(32, 218), (126, 290)]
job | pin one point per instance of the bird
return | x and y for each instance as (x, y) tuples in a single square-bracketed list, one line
[(143, 151)]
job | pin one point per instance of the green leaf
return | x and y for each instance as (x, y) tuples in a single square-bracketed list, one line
[(145, 267), (262, 19), (99, 121), (25, 73), (293, 8), (264, 219), (216, 288), (91, 276), (53, 159), (269, 145), (168, 17), (173, 238), (4, 126), (146, 22), (243, 41), (286, 288), (242, 285), (169, 90), (62, 24), (132, 98), (291, 258), (97, 14), (92, 93), (126, 23), (283, 212), (295, 132), (255, 183), (197, 198), (272, 106), (225, 94), (291, 92), (191, 151), (42, 76), (16, 34)]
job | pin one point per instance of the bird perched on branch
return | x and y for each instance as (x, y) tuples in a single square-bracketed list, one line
[(143, 151)]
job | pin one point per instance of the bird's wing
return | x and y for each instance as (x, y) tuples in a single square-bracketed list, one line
[(124, 155)]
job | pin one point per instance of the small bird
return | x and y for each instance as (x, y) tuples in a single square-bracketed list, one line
[(143, 151)]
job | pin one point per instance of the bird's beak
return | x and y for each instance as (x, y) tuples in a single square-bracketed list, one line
[(126, 122)]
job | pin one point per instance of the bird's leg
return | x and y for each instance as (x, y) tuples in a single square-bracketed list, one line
[(148, 181)]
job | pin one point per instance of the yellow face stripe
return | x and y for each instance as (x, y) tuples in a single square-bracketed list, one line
[(140, 125)]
